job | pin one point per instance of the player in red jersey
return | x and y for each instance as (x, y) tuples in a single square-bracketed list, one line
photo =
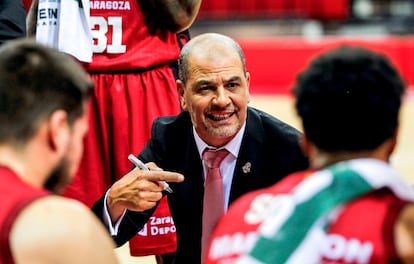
[(135, 46), (352, 207), (41, 142), (131, 67)]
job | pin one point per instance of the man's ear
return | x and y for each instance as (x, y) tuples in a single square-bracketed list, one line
[(180, 89), (393, 142), (305, 145), (58, 131), (248, 86)]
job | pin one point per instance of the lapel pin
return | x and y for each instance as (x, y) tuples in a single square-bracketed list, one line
[(246, 168)]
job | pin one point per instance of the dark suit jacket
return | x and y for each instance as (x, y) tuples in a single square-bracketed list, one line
[(270, 145)]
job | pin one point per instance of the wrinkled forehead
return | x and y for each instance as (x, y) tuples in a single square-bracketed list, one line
[(214, 54), (215, 68)]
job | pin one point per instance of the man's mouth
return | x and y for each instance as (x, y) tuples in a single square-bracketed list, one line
[(220, 117)]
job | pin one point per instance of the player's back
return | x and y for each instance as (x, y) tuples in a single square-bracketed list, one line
[(126, 39)]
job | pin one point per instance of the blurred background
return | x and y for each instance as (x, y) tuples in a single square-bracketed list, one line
[(308, 18), (280, 37)]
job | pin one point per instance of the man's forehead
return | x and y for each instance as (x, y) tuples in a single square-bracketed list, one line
[(215, 58)]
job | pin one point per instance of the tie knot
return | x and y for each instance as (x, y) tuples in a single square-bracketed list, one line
[(213, 157)]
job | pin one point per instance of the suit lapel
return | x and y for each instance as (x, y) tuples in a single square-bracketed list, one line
[(192, 187), (248, 161)]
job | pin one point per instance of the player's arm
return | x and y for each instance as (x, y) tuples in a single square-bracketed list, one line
[(181, 13), (404, 234), (57, 230), (31, 19)]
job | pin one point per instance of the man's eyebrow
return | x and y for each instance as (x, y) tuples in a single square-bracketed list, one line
[(234, 79), (203, 82), (209, 82)]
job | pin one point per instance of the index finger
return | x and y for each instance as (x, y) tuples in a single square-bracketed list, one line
[(167, 176)]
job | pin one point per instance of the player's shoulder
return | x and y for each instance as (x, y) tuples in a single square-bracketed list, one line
[(253, 206), (53, 208), (237, 229), (404, 230), (53, 227), (283, 186)]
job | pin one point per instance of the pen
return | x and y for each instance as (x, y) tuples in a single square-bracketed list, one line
[(138, 163)]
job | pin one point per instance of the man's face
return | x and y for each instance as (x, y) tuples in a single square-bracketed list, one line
[(64, 171), (216, 94)]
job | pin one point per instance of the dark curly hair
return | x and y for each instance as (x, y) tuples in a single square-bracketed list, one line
[(349, 99)]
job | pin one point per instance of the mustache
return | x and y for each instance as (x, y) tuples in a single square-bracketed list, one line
[(216, 108)]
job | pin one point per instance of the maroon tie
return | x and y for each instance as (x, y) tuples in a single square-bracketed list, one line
[(213, 204)]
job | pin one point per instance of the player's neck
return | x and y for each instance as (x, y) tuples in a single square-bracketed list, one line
[(323, 159), (21, 164)]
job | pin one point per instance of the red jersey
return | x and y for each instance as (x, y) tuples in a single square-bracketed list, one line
[(122, 38), (134, 84), (14, 196), (27, 4), (361, 233)]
